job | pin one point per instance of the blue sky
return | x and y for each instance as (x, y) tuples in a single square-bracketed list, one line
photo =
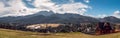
[(103, 7), (94, 8), (98, 7)]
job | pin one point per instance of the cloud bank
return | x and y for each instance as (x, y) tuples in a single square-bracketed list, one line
[(117, 14), (27, 7)]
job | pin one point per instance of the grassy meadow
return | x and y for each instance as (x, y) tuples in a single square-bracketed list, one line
[(5, 33)]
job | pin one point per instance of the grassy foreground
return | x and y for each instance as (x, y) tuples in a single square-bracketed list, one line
[(5, 33)]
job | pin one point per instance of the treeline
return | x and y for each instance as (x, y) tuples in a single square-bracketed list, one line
[(13, 26), (89, 28), (68, 27)]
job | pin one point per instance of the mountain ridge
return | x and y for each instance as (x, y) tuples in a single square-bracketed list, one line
[(51, 17)]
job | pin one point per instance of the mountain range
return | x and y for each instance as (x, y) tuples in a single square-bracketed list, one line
[(51, 17)]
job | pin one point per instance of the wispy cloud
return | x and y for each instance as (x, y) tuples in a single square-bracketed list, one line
[(19, 8), (77, 8)]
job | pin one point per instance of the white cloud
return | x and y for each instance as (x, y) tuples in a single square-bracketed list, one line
[(117, 14), (87, 1), (77, 8), (97, 16), (102, 15), (18, 8)]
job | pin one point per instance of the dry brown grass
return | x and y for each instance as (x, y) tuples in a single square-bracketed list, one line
[(5, 33)]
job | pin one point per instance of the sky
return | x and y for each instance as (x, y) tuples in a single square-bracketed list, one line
[(93, 8), (102, 8)]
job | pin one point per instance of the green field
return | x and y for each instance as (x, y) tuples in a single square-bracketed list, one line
[(4, 33)]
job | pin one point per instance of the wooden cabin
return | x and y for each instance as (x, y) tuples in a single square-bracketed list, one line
[(104, 28)]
